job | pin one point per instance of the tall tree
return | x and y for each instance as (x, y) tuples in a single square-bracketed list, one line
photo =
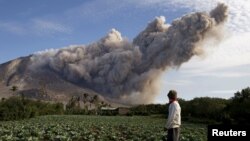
[(85, 100), (239, 108), (14, 89), (42, 90)]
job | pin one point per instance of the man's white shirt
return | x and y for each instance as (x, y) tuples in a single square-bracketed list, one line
[(174, 115)]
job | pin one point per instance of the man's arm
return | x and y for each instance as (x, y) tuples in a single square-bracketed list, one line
[(171, 115)]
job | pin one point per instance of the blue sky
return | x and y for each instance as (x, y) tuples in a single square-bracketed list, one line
[(30, 26)]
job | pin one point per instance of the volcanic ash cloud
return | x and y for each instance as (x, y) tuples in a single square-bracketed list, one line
[(129, 72)]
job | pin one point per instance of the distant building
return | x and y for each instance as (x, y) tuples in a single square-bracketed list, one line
[(108, 111)]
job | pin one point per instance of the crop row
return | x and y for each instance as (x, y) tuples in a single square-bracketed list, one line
[(92, 128)]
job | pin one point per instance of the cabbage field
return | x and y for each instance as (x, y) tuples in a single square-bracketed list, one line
[(95, 128)]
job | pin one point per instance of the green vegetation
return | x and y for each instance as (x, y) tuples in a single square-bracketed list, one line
[(235, 110), (58, 127), (90, 128), (199, 110), (238, 110), (16, 108)]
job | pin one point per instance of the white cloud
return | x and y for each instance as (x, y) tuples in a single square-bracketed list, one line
[(223, 91), (239, 11), (223, 74), (37, 27), (12, 27), (49, 27), (232, 52), (149, 3), (177, 82), (96, 10)]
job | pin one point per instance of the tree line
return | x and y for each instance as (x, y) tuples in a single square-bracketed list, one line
[(16, 108), (235, 110)]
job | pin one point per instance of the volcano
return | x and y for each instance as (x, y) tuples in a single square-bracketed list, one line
[(113, 68)]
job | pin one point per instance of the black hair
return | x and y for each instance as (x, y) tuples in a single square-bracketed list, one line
[(172, 94)]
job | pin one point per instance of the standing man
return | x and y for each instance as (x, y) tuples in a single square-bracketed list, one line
[(174, 117)]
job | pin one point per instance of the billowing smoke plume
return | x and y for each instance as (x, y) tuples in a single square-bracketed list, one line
[(128, 72)]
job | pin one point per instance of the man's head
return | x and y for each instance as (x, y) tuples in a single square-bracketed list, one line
[(172, 95)]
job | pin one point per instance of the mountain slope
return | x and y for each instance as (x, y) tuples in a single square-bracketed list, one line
[(33, 83)]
